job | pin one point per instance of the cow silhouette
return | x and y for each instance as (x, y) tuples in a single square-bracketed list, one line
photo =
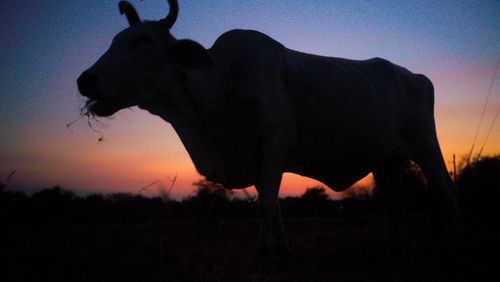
[(249, 109)]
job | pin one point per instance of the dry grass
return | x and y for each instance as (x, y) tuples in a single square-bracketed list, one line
[(341, 249)]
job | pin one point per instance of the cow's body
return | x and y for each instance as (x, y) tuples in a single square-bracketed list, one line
[(339, 117), (248, 109)]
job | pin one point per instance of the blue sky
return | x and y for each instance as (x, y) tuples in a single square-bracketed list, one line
[(45, 45)]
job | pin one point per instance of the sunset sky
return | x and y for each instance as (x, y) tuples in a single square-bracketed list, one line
[(45, 45)]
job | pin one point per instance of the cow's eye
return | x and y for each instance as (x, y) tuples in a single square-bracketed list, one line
[(140, 42)]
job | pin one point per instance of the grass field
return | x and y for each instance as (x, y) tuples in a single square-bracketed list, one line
[(351, 248), (54, 235)]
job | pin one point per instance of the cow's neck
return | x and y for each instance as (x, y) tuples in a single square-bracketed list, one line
[(186, 108)]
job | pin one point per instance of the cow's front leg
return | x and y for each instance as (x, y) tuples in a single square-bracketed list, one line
[(273, 160), (268, 206), (282, 247)]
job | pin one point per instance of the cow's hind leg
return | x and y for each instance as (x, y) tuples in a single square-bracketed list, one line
[(389, 190), (442, 195)]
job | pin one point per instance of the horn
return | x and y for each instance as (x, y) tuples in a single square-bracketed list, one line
[(169, 21), (130, 12)]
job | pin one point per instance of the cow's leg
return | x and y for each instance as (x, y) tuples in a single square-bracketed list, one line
[(273, 160), (389, 188), (282, 242), (442, 194), (269, 212)]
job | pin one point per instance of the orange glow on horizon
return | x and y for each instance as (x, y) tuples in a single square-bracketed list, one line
[(295, 185)]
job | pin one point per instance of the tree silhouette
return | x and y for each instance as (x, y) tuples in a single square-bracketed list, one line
[(313, 203), (211, 203), (479, 190), (315, 194)]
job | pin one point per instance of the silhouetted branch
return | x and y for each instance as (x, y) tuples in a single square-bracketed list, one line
[(10, 176), (172, 180), (145, 188)]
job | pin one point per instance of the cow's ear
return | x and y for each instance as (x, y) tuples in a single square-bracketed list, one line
[(190, 54)]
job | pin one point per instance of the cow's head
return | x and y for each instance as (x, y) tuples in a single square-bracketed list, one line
[(140, 65)]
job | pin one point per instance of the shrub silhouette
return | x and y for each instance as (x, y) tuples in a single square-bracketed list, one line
[(313, 203), (479, 191), (13, 205), (315, 195), (211, 202), (53, 205)]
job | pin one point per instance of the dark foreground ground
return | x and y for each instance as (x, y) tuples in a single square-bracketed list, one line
[(350, 248)]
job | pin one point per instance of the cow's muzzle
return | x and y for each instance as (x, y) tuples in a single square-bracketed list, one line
[(88, 85)]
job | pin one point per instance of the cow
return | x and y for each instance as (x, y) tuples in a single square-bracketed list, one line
[(249, 109)]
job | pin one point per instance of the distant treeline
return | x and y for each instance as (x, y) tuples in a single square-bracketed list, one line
[(210, 202), (478, 183)]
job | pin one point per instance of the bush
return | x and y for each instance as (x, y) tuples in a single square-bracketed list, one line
[(479, 192)]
